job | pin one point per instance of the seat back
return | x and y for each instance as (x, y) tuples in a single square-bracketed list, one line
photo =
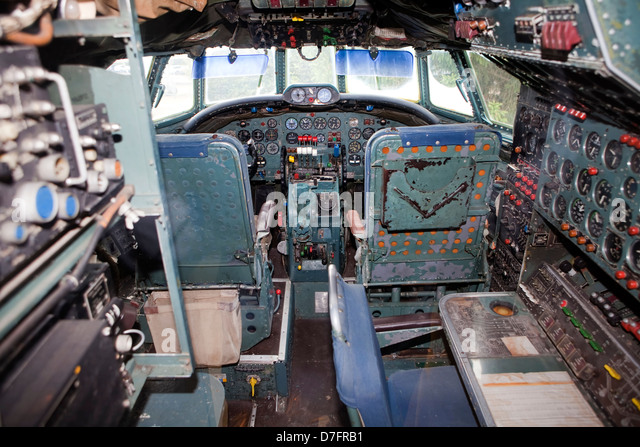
[(210, 208), (360, 377), (426, 194)]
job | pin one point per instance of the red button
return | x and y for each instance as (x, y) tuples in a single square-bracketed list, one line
[(633, 230), (592, 171), (621, 274), (632, 284)]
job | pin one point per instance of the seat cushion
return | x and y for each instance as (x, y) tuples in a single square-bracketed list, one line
[(429, 397)]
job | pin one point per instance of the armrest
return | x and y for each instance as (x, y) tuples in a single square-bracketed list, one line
[(355, 224), (263, 224)]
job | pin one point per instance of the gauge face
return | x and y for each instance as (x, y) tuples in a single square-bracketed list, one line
[(291, 123), (530, 143), (602, 194), (354, 133), (634, 256), (575, 137), (525, 116), (260, 148), (552, 163), (367, 132), (592, 146), (595, 224), (320, 123), (321, 137), (244, 135), (612, 155), (324, 95), (613, 247), (635, 162), (577, 211), (334, 122), (546, 196), (559, 131), (298, 95), (292, 138), (560, 207), (272, 122), (620, 216), (584, 182), (354, 147), (353, 122), (272, 148), (257, 135), (630, 187), (271, 134), (566, 172), (305, 123)]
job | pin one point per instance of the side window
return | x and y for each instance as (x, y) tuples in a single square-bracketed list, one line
[(498, 89), (443, 89), (177, 88)]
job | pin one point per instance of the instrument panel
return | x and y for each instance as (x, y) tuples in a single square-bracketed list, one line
[(271, 139)]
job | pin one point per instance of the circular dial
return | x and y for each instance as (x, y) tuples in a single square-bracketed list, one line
[(367, 132), (577, 211), (334, 122), (272, 148), (321, 137), (566, 172), (559, 131), (272, 122), (354, 133), (630, 187), (354, 146), (530, 143), (324, 95), (320, 123), (560, 207), (546, 196), (552, 163), (592, 146), (244, 135), (602, 194), (635, 162), (353, 122), (291, 123), (292, 138), (595, 224), (257, 135), (298, 95), (260, 148), (612, 155), (613, 247), (634, 256), (305, 123), (575, 137), (584, 182), (525, 116), (271, 134), (620, 215)]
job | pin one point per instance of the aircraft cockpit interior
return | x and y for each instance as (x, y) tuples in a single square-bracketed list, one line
[(333, 214)]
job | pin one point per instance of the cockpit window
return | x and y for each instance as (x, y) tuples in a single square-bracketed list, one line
[(445, 89), (176, 88), (311, 65)]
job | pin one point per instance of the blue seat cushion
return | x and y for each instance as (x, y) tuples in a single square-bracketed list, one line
[(429, 397)]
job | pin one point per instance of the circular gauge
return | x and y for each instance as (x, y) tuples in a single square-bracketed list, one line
[(566, 172), (260, 148), (272, 148), (367, 132), (354, 147), (575, 137), (602, 194), (560, 207), (613, 248), (244, 135), (298, 95), (584, 182), (291, 123), (354, 133), (525, 116), (539, 150), (353, 122), (552, 163), (530, 143), (630, 187), (635, 162), (324, 95), (633, 258), (272, 122), (559, 131), (612, 155), (577, 211), (292, 138), (595, 224), (271, 134), (620, 216), (257, 135), (546, 196), (334, 122), (592, 146), (321, 137), (306, 123), (320, 123)]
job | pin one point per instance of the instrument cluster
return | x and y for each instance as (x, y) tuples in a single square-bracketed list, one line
[(588, 188)]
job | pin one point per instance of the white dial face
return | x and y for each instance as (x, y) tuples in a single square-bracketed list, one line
[(297, 95), (324, 95)]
